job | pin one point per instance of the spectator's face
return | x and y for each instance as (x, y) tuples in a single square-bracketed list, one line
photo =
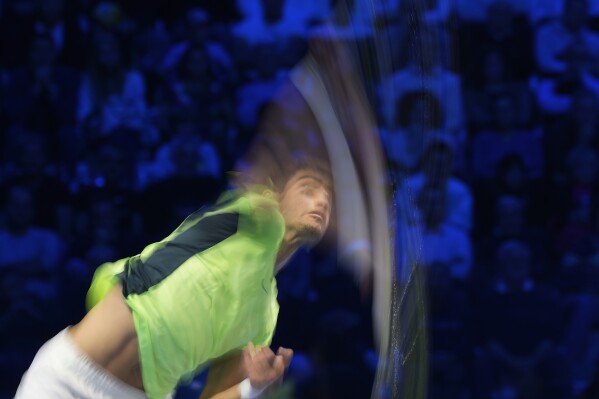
[(305, 205), (19, 209)]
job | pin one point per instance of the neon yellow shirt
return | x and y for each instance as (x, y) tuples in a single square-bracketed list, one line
[(205, 290)]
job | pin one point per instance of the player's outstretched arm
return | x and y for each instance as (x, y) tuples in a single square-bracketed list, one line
[(262, 368)]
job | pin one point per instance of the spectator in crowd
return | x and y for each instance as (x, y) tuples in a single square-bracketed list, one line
[(267, 22), (255, 93), (511, 223), (493, 79), (450, 333), (555, 93), (186, 154), (506, 137), (512, 178), (194, 92), (110, 94), (108, 174), (476, 11), (436, 170), (425, 72), (185, 176), (27, 165), (503, 33), (520, 329), (198, 27), (53, 18), (41, 17), (30, 259), (419, 118), (554, 38), (442, 243), (574, 200), (343, 322), (43, 95), (576, 129), (27, 249), (194, 84)]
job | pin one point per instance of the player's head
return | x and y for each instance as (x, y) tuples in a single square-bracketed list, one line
[(305, 199)]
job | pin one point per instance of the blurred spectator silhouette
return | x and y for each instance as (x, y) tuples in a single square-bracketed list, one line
[(419, 118), (425, 71), (520, 329), (51, 18), (450, 333), (494, 79), (437, 170), (512, 178), (575, 216), (554, 38), (43, 96), (442, 243), (340, 346), (185, 175), (28, 165), (266, 21), (578, 128), (200, 32), (30, 257), (503, 33), (505, 137), (27, 249), (512, 222), (111, 95)]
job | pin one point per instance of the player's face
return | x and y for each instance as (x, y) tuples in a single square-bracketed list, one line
[(305, 205)]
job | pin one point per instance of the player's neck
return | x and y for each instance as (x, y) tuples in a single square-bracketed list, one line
[(288, 247)]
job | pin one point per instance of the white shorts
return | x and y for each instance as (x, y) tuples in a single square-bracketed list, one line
[(61, 371)]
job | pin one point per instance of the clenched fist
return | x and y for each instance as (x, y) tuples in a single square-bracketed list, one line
[(263, 367)]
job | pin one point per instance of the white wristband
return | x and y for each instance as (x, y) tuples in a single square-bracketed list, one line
[(247, 391)]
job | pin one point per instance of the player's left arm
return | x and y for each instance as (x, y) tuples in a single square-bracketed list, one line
[(252, 371), (224, 374)]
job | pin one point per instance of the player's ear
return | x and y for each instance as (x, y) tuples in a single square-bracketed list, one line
[(270, 190), (271, 194)]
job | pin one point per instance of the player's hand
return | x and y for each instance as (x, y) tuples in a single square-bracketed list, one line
[(263, 366)]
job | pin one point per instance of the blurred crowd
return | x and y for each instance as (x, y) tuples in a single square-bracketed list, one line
[(118, 119)]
